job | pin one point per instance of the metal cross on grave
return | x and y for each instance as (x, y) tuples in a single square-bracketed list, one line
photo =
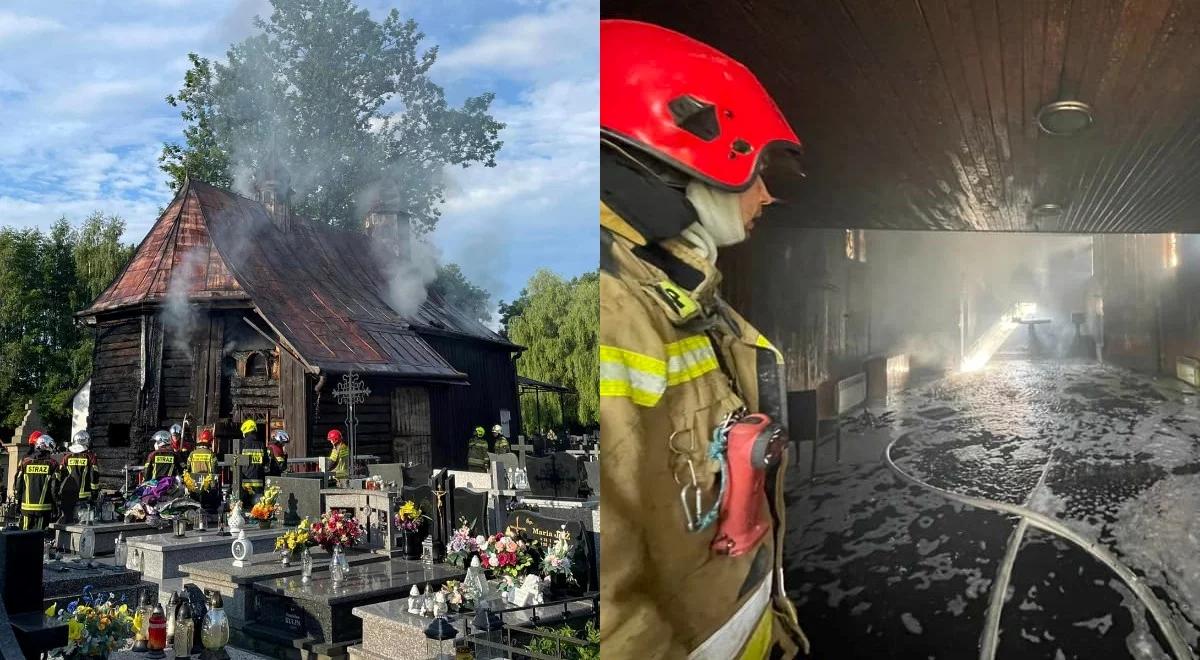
[(350, 392), (520, 447)]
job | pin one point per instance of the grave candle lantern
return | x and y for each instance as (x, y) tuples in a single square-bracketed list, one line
[(156, 639), (143, 620), (488, 625), (440, 639), (184, 631), (215, 632)]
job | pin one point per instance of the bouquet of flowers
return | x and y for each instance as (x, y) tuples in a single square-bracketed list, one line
[(506, 552), (557, 560), (205, 484), (266, 508), (158, 500), (409, 517), (462, 545), (296, 540), (96, 626), (457, 595), (336, 529)]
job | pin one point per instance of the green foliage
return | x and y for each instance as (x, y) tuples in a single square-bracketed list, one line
[(554, 648), (341, 102), (46, 278), (460, 293), (558, 323)]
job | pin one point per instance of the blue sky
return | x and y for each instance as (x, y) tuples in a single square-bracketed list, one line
[(82, 117)]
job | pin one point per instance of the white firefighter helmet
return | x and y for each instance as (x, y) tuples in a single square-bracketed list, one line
[(81, 442), (496, 429), (176, 430), (162, 439), (45, 442), (281, 437)]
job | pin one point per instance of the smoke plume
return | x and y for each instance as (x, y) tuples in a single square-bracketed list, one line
[(178, 315)]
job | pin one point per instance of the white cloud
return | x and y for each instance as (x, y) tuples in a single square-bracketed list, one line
[(142, 36), (14, 26), (533, 46)]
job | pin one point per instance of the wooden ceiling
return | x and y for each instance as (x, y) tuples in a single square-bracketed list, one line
[(920, 114)]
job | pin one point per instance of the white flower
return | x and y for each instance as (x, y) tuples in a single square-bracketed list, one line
[(480, 539)]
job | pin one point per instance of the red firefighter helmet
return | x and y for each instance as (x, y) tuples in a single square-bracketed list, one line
[(33, 438), (205, 437), (334, 436), (687, 103)]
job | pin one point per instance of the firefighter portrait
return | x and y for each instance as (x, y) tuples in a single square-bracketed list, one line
[(253, 464), (36, 485), (161, 461), (691, 395)]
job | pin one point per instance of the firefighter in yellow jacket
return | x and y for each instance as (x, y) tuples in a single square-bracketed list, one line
[(683, 129), (36, 483)]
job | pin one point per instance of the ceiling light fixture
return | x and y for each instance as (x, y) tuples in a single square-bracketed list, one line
[(1065, 117)]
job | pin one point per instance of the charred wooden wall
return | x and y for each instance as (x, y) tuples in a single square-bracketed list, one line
[(116, 388), (455, 410), (800, 290), (374, 434), (1150, 312)]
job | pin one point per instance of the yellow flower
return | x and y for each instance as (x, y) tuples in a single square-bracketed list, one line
[(52, 609), (74, 630)]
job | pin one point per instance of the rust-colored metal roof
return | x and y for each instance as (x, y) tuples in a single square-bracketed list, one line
[(319, 288)]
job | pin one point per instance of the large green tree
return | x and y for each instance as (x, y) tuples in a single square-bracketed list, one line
[(45, 278), (340, 101), (559, 323)]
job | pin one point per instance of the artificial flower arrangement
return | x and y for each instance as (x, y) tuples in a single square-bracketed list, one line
[(506, 553), (336, 529), (206, 483), (266, 508), (96, 626), (457, 595), (295, 541), (557, 558), (409, 518), (158, 500), (462, 545)]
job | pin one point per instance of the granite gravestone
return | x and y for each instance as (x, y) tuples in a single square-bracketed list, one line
[(546, 529), (592, 468), (422, 496), (22, 571), (300, 497), (542, 481), (472, 505), (416, 475), (388, 472), (557, 476), (569, 470)]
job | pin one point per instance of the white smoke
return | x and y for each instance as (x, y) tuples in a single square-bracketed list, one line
[(410, 265), (179, 316)]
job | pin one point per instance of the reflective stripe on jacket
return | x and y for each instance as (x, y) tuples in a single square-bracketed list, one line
[(161, 463), (663, 390), (82, 467)]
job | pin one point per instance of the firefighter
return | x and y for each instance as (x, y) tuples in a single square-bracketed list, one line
[(33, 438), (683, 132), (37, 484), (279, 458), (499, 442), (339, 457), (201, 463), (162, 461), (477, 451), (82, 468), (255, 467), (179, 444)]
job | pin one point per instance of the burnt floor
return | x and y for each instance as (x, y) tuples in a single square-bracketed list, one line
[(885, 559)]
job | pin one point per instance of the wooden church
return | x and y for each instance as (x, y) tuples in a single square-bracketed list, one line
[(234, 308)]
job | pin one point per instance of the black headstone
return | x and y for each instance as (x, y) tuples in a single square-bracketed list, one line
[(389, 472), (592, 468), (542, 479), (23, 552), (417, 475), (473, 505), (569, 469), (544, 528)]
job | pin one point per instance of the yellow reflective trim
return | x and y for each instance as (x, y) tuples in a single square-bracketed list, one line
[(77, 461), (621, 388), (688, 344), (34, 507), (165, 459), (650, 365), (762, 342), (690, 358), (693, 372), (759, 645), (37, 469)]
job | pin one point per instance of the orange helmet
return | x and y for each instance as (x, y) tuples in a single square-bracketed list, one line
[(334, 436), (687, 103), (205, 437)]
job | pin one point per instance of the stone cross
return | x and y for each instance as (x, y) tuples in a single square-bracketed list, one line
[(350, 392), (234, 461), (520, 447)]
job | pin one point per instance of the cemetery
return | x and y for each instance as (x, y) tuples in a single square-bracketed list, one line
[(400, 560)]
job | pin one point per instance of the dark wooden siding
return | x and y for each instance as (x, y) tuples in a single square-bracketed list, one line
[(456, 410), (116, 379), (293, 394), (374, 419)]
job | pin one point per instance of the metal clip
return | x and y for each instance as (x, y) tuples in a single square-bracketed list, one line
[(690, 514)]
